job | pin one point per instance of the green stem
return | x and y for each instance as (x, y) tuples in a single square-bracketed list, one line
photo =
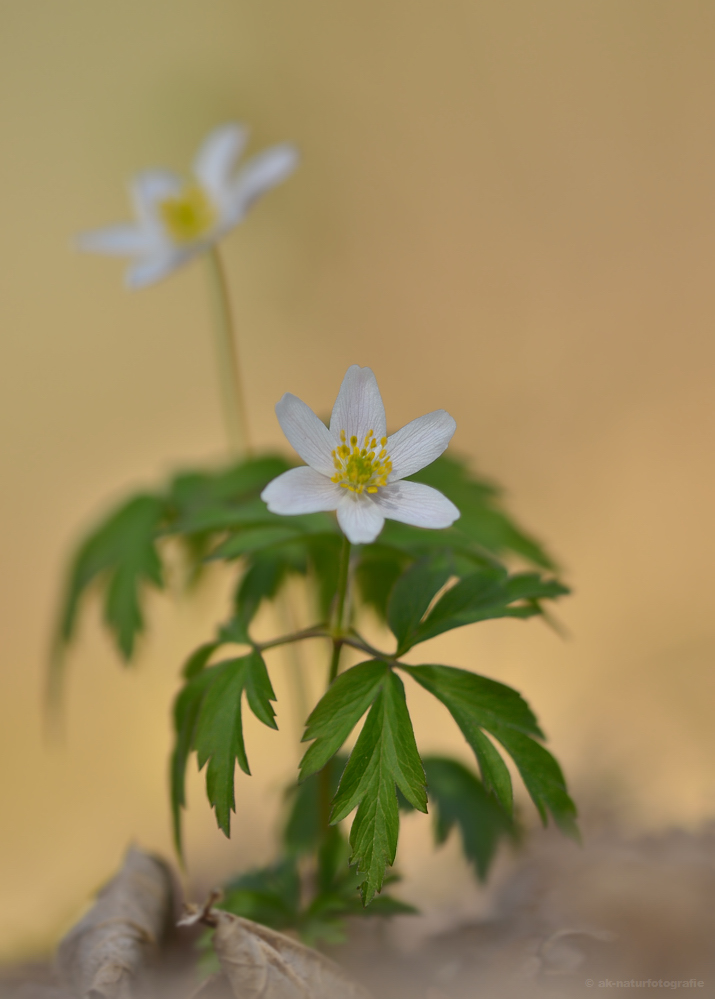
[(338, 642), (338, 636), (284, 609), (296, 636), (234, 405), (354, 641)]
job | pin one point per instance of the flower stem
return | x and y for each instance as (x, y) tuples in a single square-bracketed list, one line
[(236, 418), (338, 637), (234, 405), (338, 641)]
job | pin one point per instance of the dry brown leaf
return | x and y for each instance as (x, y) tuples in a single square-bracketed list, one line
[(101, 955), (260, 963)]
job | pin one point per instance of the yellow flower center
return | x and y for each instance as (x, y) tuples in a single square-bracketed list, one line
[(189, 215), (361, 469)]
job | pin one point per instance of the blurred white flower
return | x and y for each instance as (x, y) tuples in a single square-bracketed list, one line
[(355, 468), (178, 220)]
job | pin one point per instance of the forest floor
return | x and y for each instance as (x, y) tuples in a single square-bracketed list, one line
[(620, 912)]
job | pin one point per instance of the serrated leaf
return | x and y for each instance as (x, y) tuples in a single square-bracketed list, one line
[(376, 573), (267, 571), (122, 550), (412, 594), (477, 703), (198, 659), (458, 797), (186, 713), (272, 895), (245, 513), (494, 771), (543, 778), (324, 559), (487, 700), (207, 719), (337, 713), (385, 756), (253, 539), (483, 520), (215, 501), (268, 895), (259, 691), (485, 595), (218, 738), (304, 832)]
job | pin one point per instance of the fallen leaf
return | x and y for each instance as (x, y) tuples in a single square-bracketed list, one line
[(102, 954), (260, 963)]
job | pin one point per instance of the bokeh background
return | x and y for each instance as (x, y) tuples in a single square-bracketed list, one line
[(507, 210)]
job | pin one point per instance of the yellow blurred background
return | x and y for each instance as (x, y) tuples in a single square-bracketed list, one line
[(507, 210)]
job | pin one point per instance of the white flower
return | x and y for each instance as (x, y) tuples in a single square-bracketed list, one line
[(355, 468), (178, 220)]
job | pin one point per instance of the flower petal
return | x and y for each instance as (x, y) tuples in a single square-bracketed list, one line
[(417, 504), (419, 443), (360, 519), (359, 407), (148, 189), (258, 176), (149, 270), (217, 157), (120, 240), (301, 490), (307, 434)]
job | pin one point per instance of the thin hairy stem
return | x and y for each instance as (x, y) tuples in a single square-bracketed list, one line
[(234, 405)]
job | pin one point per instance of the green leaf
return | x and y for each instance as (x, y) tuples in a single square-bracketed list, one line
[(253, 539), (122, 550), (324, 559), (476, 704), (304, 830), (412, 594), (186, 713), (488, 701), (268, 895), (272, 895), (484, 595), (338, 896), (376, 573), (338, 712), (543, 778), (385, 755), (207, 719), (267, 571), (483, 521), (218, 738), (203, 501), (198, 659), (245, 513), (459, 798), (492, 767), (259, 691)]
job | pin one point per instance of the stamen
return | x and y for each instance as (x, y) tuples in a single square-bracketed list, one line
[(358, 469), (188, 215)]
